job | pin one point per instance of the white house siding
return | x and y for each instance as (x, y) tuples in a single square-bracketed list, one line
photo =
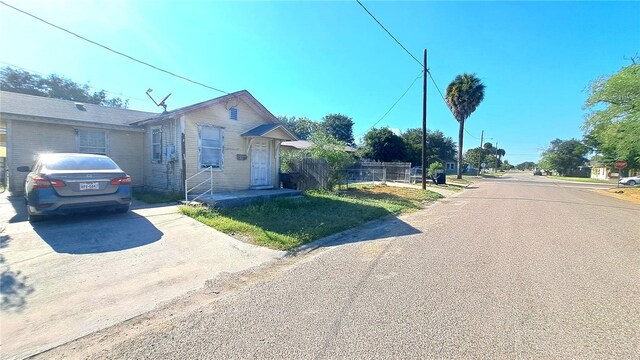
[(25, 139), (164, 175), (235, 174)]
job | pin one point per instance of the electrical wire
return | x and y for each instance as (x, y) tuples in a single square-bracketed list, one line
[(394, 104), (114, 51), (393, 37)]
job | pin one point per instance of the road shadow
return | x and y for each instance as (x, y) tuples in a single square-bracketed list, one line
[(390, 227), (97, 232), (14, 286)]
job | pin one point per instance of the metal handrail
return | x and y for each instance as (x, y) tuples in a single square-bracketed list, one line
[(187, 189)]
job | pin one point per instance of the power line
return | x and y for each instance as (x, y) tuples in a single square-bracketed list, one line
[(393, 37), (114, 51), (392, 106)]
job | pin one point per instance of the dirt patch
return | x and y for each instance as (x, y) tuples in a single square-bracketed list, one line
[(629, 194)]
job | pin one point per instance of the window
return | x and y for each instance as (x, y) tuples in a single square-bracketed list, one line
[(233, 113), (211, 145), (92, 141), (451, 166), (156, 144)]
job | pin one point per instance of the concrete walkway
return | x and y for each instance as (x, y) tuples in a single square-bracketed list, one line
[(70, 276)]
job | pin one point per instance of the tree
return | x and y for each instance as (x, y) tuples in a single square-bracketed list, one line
[(383, 145), (439, 147), (463, 96), (506, 166), (612, 126), (434, 168), (527, 165), (54, 86), (564, 156), (340, 127), (303, 128), (475, 156)]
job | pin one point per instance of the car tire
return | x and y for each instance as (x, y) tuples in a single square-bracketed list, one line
[(631, 182), (35, 218), (122, 210)]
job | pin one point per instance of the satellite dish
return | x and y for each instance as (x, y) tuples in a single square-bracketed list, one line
[(161, 103)]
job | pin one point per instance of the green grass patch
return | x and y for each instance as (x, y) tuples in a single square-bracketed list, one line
[(287, 223), (579, 179), (150, 197), (464, 180)]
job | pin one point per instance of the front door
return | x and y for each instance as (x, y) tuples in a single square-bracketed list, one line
[(260, 175)]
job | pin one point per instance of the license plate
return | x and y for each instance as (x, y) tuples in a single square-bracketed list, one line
[(89, 186)]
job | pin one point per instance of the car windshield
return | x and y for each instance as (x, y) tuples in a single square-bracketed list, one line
[(80, 163)]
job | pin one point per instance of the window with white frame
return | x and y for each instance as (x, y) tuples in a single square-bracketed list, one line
[(233, 113), (451, 166), (156, 144), (211, 146), (92, 141)]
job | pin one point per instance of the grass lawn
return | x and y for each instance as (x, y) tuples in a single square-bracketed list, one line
[(157, 197), (579, 179), (464, 180), (287, 223), (625, 193)]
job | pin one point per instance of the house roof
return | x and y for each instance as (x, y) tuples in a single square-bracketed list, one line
[(304, 144), (229, 98), (265, 129), (30, 106)]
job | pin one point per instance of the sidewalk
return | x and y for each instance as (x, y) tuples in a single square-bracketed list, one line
[(70, 276)]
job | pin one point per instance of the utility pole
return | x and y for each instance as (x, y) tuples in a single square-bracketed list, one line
[(496, 156), (480, 160), (424, 121)]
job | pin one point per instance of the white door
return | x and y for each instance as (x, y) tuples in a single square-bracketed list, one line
[(260, 163)]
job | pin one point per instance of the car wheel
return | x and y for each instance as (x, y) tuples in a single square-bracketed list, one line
[(631, 182), (35, 218), (122, 210)]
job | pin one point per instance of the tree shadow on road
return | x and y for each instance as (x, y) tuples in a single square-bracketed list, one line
[(391, 227), (14, 287)]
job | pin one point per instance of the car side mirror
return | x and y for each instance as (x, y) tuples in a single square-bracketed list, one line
[(24, 169)]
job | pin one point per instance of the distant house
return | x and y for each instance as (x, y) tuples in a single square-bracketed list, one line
[(234, 136), (450, 167), (604, 171)]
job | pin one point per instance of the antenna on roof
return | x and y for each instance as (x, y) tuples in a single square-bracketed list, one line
[(161, 103)]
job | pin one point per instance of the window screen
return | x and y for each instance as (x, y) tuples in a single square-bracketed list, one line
[(92, 141), (211, 146)]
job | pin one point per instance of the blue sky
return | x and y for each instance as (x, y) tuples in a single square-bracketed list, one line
[(314, 58)]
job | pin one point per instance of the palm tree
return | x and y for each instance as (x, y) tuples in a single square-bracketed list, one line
[(501, 153), (464, 94)]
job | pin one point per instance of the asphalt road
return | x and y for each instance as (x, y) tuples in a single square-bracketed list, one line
[(515, 267)]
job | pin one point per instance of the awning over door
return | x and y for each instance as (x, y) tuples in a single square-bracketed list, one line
[(271, 131)]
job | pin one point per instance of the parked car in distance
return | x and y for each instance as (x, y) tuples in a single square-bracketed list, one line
[(537, 173), (630, 180), (62, 183)]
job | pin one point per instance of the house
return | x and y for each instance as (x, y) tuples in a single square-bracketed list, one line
[(603, 171), (450, 167), (233, 139)]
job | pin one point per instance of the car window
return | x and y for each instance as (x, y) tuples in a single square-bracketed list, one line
[(81, 163)]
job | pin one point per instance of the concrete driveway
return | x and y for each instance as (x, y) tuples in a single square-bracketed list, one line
[(69, 276)]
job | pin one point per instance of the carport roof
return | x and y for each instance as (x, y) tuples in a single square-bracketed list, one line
[(29, 106)]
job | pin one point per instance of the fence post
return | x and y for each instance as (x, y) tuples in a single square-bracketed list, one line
[(384, 175)]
